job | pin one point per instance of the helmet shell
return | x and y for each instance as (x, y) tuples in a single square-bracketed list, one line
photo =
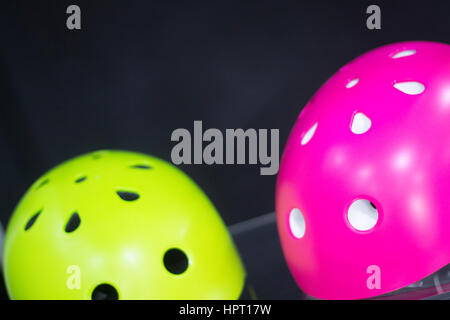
[(2, 239), (132, 210), (362, 190)]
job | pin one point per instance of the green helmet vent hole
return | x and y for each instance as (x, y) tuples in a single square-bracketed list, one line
[(175, 261), (73, 223), (105, 291), (43, 183), (32, 220), (141, 166), (80, 179), (128, 195)]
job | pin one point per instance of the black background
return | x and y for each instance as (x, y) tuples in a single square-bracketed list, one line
[(140, 69)]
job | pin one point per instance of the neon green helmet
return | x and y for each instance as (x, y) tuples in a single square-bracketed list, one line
[(119, 225)]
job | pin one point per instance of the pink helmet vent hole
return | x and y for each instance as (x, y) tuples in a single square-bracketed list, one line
[(362, 215), (404, 53), (297, 223), (309, 134), (410, 87), (360, 123), (352, 83)]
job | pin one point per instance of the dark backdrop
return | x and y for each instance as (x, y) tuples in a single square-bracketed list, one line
[(140, 69)]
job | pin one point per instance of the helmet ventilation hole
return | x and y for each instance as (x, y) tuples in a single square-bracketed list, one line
[(141, 166), (360, 123), (105, 291), (128, 195), (73, 223), (352, 83), (32, 220), (309, 134), (43, 183), (175, 261), (410, 87), (97, 156), (81, 179), (297, 223), (362, 215), (403, 53)]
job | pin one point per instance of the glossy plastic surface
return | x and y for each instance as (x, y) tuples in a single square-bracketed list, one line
[(2, 239), (119, 241), (396, 157)]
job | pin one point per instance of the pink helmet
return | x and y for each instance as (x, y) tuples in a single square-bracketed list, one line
[(363, 191)]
